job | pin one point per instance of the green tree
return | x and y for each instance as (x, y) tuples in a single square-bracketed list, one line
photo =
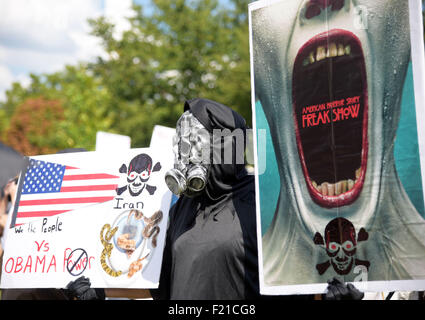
[(85, 108), (184, 49)]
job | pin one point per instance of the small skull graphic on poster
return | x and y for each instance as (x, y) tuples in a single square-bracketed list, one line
[(340, 242), (138, 173)]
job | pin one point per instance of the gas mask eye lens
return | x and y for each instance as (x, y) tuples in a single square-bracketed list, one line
[(197, 178), (175, 181), (196, 184)]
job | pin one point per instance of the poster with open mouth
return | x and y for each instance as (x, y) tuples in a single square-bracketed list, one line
[(101, 215), (337, 97)]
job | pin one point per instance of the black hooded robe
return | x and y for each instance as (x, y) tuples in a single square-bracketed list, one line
[(211, 245)]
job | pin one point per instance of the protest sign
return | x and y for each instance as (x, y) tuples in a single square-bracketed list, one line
[(337, 87), (162, 135), (101, 215), (108, 141)]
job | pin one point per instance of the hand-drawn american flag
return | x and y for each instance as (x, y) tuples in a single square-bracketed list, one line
[(51, 188)]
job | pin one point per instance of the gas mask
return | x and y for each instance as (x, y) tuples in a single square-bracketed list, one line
[(191, 147)]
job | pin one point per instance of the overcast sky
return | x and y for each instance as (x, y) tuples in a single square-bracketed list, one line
[(41, 36)]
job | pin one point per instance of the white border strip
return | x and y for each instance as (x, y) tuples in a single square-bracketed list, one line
[(367, 286), (418, 68), (251, 7)]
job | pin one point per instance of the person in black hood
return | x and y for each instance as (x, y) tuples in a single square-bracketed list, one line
[(211, 246)]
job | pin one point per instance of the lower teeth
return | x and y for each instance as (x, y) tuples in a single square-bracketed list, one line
[(335, 189)]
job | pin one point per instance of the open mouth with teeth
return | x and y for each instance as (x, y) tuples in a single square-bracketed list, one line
[(330, 107)]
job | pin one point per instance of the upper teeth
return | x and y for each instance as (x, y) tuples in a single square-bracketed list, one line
[(335, 189), (333, 50), (321, 53)]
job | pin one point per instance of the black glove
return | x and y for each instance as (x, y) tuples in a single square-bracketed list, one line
[(80, 290), (339, 291)]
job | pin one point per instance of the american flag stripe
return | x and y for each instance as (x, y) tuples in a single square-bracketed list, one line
[(52, 207), (39, 202), (31, 214), (86, 176), (88, 188), (64, 195), (50, 189), (98, 182)]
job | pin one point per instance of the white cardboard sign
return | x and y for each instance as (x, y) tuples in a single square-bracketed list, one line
[(101, 215)]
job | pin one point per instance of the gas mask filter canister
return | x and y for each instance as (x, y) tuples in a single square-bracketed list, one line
[(190, 172)]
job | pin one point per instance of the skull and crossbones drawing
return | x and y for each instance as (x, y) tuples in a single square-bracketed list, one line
[(138, 173), (340, 243)]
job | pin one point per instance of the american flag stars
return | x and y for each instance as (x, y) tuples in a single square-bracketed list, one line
[(43, 177)]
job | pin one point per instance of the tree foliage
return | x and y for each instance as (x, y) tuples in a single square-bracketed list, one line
[(26, 135), (181, 50), (82, 102)]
